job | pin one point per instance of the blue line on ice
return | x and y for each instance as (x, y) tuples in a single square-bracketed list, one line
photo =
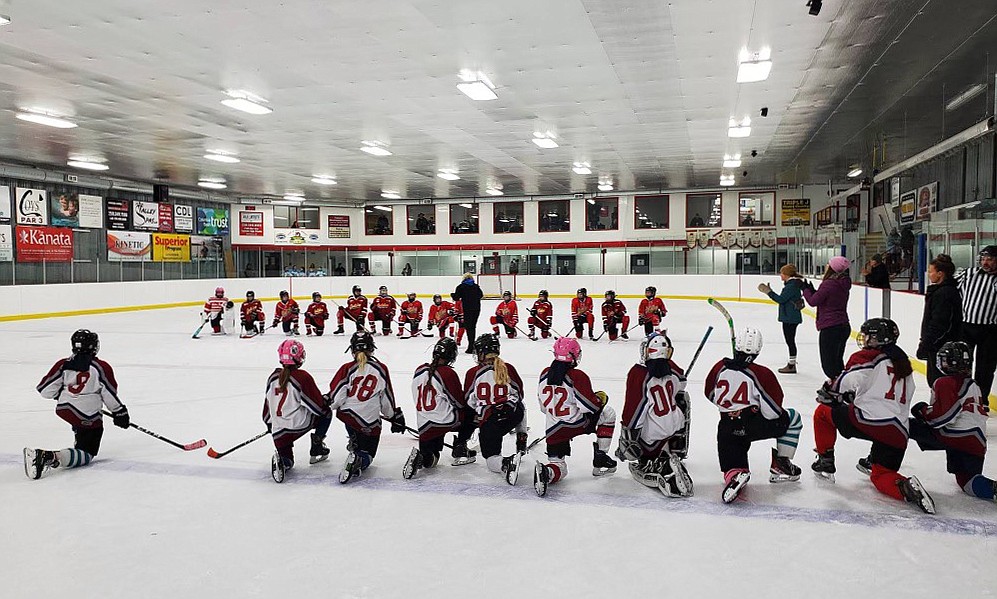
[(646, 501)]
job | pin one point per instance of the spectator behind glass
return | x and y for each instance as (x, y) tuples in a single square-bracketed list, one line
[(942, 319)]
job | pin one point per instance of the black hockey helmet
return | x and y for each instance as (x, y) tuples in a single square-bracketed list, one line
[(362, 341), (85, 342), (437, 298), (250, 295), (411, 296), (651, 289), (357, 290), (383, 290), (955, 357), (285, 295), (506, 295), (582, 291), (877, 332), (445, 350), (543, 294), (610, 295), (316, 297), (487, 344)]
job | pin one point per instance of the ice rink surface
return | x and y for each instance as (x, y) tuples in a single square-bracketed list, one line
[(148, 520)]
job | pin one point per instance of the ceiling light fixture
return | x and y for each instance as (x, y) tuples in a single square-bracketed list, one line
[(605, 187), (375, 148), (294, 196), (42, 117), (389, 195), (324, 179), (468, 206), (726, 180), (591, 201), (211, 184), (968, 94), (742, 129), (448, 174), (754, 67), (248, 102), (475, 85), (582, 168), (494, 191), (732, 161), (87, 164), (545, 140), (221, 156), (386, 208), (4, 19), (855, 172)]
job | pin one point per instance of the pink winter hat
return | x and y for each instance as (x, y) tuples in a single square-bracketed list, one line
[(839, 264)]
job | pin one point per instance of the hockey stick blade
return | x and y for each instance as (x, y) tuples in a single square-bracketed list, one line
[(186, 447), (215, 455)]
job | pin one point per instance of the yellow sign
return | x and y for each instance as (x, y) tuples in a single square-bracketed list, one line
[(170, 248), (795, 212)]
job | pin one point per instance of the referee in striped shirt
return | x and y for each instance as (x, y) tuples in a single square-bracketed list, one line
[(978, 287)]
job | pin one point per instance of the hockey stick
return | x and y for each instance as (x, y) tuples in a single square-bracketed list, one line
[(412, 431), (214, 454), (699, 349), (188, 447), (348, 315), (525, 334), (730, 321), (198, 331)]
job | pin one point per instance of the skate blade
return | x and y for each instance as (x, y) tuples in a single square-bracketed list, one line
[(315, 459), (864, 471), (409, 469), (925, 502), (29, 463), (512, 475), (463, 461), (539, 484), (779, 477), (349, 470), (733, 490), (603, 471), (825, 476), (276, 471)]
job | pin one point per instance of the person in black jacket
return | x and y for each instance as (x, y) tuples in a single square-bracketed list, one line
[(469, 295), (876, 273), (942, 318)]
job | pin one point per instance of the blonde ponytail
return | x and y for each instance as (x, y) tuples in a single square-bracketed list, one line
[(501, 371), (361, 359)]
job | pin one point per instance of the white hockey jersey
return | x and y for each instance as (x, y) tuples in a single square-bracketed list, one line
[(80, 394), (292, 410), (483, 394), (361, 397), (437, 399), (741, 387), (650, 407), (881, 398)]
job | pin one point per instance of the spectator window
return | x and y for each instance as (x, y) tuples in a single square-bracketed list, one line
[(703, 210), (463, 219), (651, 212), (756, 209), (554, 216), (295, 217), (422, 219), (508, 217), (378, 220), (602, 214)]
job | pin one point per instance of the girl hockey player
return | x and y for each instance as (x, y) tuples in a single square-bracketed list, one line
[(215, 308), (440, 407), (572, 409), (614, 317), (355, 310), (441, 315), (286, 313), (411, 313), (955, 420), (293, 405), (316, 315), (382, 310), (507, 315), (494, 391), (81, 385), (750, 402), (541, 315), (350, 393), (651, 310), (253, 319), (581, 313), (654, 420), (869, 401)]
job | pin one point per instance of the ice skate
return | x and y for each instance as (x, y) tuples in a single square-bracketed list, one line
[(461, 454), (510, 465), (319, 452), (339, 330), (864, 465), (674, 480), (914, 493), (351, 468), (782, 470), (624, 335), (788, 369), (646, 472), (37, 461), (541, 479), (602, 464), (736, 479), (412, 464), (823, 466), (278, 468)]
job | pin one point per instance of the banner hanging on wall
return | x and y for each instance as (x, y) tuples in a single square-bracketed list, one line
[(908, 207), (205, 248), (31, 206), (91, 211), (64, 209), (297, 237), (183, 218), (6, 244), (4, 202), (165, 218), (126, 246), (927, 200), (250, 222), (212, 221), (145, 216), (118, 213), (339, 226), (44, 244), (795, 213), (170, 247)]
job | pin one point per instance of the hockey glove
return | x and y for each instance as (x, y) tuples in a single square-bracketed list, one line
[(229, 305), (121, 418), (398, 421), (533, 312), (682, 401), (918, 411)]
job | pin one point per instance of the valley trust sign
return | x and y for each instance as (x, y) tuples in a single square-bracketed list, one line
[(44, 244)]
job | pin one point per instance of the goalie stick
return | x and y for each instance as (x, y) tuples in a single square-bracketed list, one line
[(730, 321), (216, 455), (683, 451), (188, 447)]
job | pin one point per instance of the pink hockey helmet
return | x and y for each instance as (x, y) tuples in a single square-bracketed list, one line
[(291, 353), (219, 292), (567, 349)]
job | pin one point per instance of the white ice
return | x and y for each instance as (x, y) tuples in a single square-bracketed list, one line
[(148, 520)]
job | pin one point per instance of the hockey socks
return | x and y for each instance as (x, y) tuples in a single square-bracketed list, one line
[(982, 487), (71, 458)]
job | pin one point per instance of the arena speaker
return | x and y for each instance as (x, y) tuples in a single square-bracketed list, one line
[(161, 193)]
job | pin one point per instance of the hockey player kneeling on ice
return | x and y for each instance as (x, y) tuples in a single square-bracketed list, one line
[(81, 385), (507, 315), (253, 319), (355, 310), (868, 401), (654, 422), (541, 315), (382, 310), (750, 400), (440, 407), (316, 315), (494, 390), (286, 313), (651, 310), (361, 394), (572, 409), (293, 406), (614, 317), (411, 313), (441, 315), (955, 420), (581, 313), (215, 308)]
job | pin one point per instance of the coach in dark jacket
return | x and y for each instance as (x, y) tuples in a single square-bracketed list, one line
[(876, 274), (469, 295), (942, 320)]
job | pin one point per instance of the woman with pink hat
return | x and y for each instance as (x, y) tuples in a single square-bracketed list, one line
[(831, 301)]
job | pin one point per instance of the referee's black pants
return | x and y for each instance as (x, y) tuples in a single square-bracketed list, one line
[(982, 338)]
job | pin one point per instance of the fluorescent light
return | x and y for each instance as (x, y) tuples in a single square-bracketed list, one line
[(468, 206), (582, 168), (44, 118), (591, 201), (493, 191), (970, 92), (605, 187), (390, 195), (742, 129), (246, 102), (88, 165), (219, 156), (374, 148), (211, 184), (323, 180), (754, 67), (386, 208), (732, 161), (294, 196), (726, 180), (4, 19), (476, 85), (544, 140), (448, 174), (855, 172)]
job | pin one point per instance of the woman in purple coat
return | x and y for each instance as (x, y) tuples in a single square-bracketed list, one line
[(831, 301)]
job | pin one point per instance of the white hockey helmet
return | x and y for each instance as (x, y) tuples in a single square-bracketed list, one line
[(656, 346), (748, 341)]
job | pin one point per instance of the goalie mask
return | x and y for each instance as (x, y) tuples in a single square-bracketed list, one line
[(657, 346)]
